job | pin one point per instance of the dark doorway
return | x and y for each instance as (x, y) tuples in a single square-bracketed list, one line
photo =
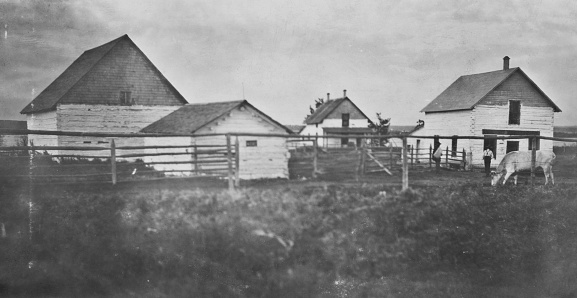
[(491, 144)]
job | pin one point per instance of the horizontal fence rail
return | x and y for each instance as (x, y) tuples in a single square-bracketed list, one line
[(310, 157)]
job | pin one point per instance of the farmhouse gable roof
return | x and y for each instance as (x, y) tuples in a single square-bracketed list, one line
[(467, 91), (192, 117), (327, 108), (90, 73)]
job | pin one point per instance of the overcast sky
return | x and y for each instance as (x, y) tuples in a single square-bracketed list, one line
[(393, 57)]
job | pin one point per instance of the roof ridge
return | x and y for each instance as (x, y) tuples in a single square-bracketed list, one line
[(488, 72), (113, 42), (214, 102)]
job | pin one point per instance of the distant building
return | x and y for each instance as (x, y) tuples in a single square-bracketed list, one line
[(259, 157), (499, 103), (10, 140), (113, 88), (337, 117)]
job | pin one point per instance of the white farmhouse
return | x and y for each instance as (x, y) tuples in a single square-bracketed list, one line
[(112, 88), (259, 157), (499, 103), (337, 117)]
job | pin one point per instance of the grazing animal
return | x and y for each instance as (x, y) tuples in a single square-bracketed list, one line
[(516, 161)]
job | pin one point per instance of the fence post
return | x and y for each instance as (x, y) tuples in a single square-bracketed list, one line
[(195, 159), (430, 156), (113, 161), (237, 161), (533, 141), (315, 157), (360, 166), (447, 157), (391, 157), (229, 159), (405, 165), (412, 155), (464, 159), (417, 154)]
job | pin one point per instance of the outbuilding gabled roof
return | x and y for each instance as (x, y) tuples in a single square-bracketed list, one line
[(190, 118), (467, 91), (326, 108), (81, 67)]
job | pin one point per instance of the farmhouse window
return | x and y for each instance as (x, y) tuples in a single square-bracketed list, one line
[(125, 98), (344, 141), (454, 146), (345, 117), (514, 112), (251, 143), (531, 144), (512, 146)]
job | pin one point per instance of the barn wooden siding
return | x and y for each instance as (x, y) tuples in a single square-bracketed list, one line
[(42, 121), (88, 118), (180, 169), (268, 159)]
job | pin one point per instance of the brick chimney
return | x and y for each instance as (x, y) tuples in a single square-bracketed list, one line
[(345, 93), (506, 62)]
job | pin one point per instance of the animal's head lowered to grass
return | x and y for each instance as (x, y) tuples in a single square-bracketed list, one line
[(495, 177)]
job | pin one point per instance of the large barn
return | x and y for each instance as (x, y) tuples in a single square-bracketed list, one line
[(113, 88), (259, 157), (499, 103), (338, 116)]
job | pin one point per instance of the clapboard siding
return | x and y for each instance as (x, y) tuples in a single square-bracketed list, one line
[(496, 117), (516, 87), (105, 118), (173, 141), (42, 121), (269, 159), (444, 124)]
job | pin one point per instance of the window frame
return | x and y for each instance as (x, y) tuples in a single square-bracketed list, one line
[(345, 119), (251, 143), (454, 141), (514, 112), (125, 98), (512, 144)]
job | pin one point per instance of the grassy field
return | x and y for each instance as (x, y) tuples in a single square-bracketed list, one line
[(450, 235)]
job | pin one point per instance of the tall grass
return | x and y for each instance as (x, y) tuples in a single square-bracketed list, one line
[(313, 242)]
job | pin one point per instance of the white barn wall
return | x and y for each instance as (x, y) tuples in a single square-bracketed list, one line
[(42, 121), (181, 169), (106, 119), (109, 118), (269, 159)]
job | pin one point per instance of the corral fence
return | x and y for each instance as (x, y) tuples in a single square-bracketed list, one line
[(109, 162)]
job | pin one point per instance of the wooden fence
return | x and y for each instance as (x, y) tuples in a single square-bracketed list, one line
[(113, 164), (223, 160)]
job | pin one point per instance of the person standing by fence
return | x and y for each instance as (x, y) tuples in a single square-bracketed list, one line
[(487, 156)]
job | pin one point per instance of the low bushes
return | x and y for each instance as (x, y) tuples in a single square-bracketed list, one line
[(315, 242)]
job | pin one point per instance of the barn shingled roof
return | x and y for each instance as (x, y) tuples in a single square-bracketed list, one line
[(469, 90), (325, 109), (50, 96), (192, 117)]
